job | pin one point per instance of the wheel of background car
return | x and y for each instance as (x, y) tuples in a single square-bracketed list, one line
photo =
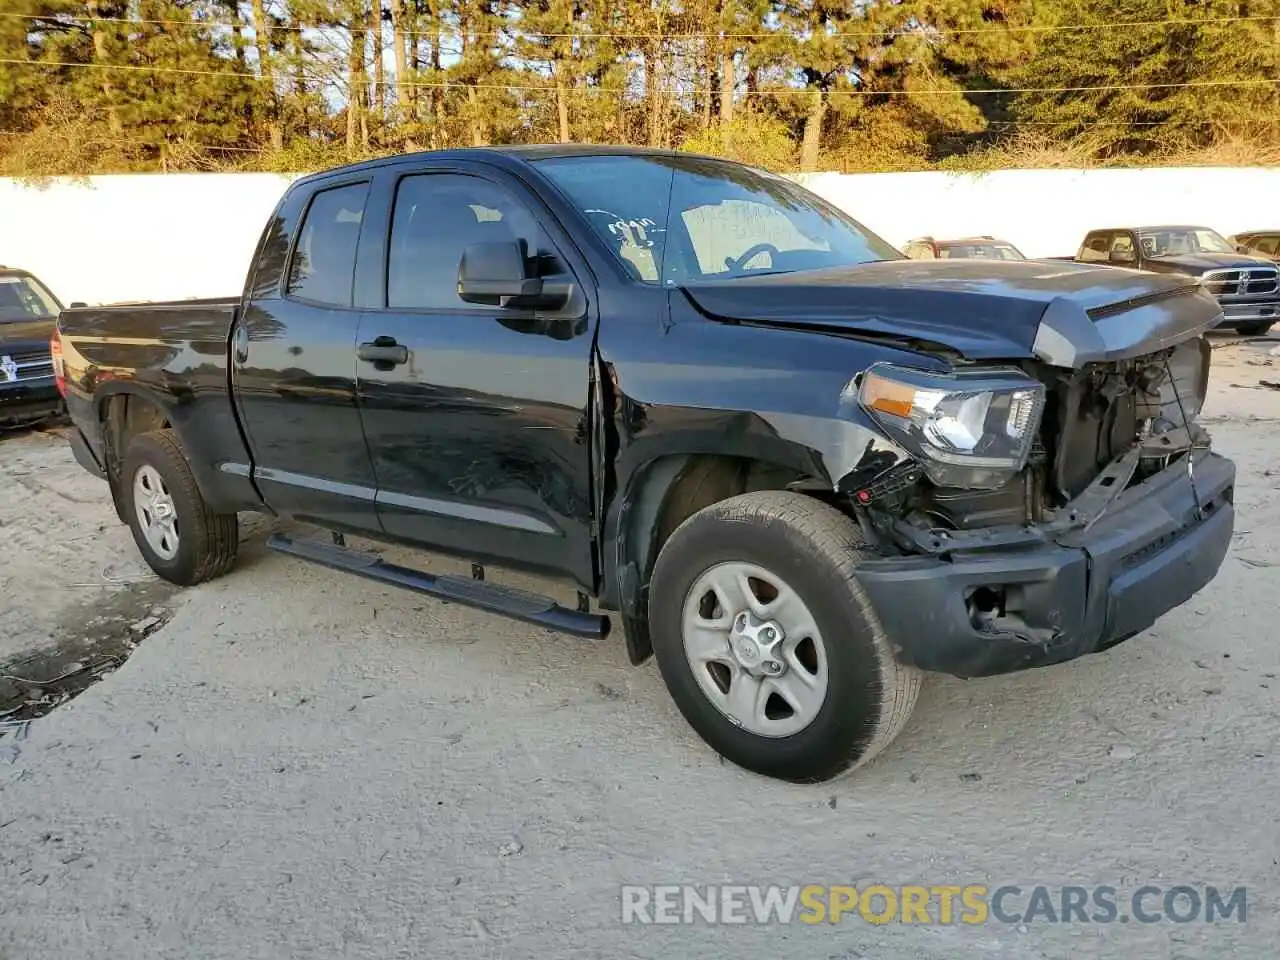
[(766, 642), (1255, 329), (753, 251), (180, 537)]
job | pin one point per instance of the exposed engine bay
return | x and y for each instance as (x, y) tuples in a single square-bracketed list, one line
[(1145, 407)]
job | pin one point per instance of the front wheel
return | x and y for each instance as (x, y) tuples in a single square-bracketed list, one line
[(180, 537), (767, 643)]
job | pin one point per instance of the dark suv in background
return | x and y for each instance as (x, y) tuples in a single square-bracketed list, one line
[(28, 312)]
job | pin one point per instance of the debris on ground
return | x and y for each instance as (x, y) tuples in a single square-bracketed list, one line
[(511, 848)]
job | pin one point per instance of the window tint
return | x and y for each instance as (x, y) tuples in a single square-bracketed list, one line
[(1267, 245), (324, 259), (436, 217)]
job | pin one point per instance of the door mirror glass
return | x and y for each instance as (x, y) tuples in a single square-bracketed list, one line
[(497, 273)]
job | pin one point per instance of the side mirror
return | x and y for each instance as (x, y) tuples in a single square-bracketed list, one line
[(78, 304), (1123, 256), (497, 274)]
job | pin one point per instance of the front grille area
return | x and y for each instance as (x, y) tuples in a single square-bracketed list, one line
[(26, 366), (1244, 282)]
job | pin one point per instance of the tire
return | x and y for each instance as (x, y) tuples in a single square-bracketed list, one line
[(790, 541), (1254, 329), (117, 500), (202, 544)]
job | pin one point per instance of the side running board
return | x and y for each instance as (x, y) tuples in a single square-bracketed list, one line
[(494, 598)]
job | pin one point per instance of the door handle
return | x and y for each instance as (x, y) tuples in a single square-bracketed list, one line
[(384, 350)]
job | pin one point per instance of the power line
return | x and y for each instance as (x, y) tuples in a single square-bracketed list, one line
[(778, 92), (515, 28)]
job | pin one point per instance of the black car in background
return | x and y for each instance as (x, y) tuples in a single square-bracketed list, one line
[(1246, 285), (28, 312)]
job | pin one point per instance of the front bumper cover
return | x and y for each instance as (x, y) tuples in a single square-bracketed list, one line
[(1079, 592), (23, 400)]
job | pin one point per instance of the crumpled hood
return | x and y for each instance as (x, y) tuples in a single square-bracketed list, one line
[(980, 309)]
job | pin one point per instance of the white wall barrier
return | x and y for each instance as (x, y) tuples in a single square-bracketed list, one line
[(156, 237)]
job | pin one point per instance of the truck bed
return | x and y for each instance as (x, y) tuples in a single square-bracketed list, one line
[(176, 354)]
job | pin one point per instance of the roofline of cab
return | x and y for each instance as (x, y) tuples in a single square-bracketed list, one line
[(506, 158)]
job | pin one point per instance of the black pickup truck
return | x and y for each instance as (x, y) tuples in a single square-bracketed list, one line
[(801, 468), (27, 315), (1244, 284)]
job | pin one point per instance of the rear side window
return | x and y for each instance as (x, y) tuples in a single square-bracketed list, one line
[(323, 265), (1097, 246)]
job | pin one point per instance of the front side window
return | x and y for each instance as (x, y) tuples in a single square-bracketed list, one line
[(323, 265), (25, 298), (670, 219), (437, 216)]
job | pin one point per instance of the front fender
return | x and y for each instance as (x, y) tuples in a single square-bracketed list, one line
[(763, 396)]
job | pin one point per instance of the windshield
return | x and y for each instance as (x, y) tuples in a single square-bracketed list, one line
[(1178, 241), (24, 298), (670, 219), (980, 251)]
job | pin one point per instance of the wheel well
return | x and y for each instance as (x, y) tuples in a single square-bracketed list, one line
[(124, 416), (672, 490)]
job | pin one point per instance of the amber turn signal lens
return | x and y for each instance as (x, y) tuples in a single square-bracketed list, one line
[(888, 396)]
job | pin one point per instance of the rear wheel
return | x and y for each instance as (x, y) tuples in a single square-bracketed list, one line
[(1254, 329), (180, 537), (767, 643)]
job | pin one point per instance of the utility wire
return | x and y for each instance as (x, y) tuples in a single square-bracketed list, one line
[(515, 28)]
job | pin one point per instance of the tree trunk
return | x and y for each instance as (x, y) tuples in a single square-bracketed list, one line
[(357, 128), (377, 89), (267, 90), (439, 129), (473, 114), (728, 83), (100, 55), (404, 93), (709, 91), (812, 143), (653, 93), (562, 101)]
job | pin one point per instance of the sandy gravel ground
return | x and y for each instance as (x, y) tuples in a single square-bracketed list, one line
[(295, 763)]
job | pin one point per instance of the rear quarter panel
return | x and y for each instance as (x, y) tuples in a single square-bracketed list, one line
[(174, 355)]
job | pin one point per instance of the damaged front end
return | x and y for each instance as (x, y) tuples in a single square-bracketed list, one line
[(1059, 512)]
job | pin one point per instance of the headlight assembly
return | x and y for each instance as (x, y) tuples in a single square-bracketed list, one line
[(972, 429)]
